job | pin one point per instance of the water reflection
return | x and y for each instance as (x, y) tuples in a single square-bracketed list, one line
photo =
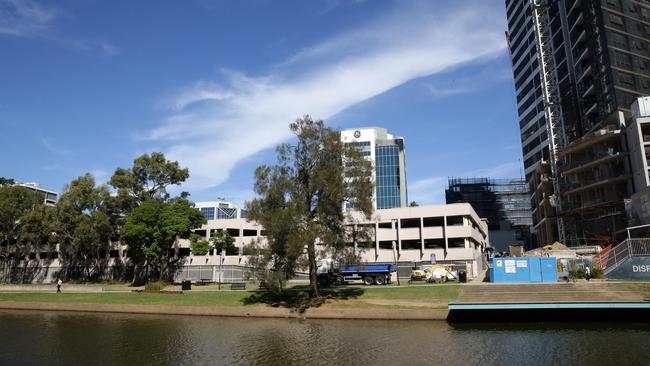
[(73, 339)]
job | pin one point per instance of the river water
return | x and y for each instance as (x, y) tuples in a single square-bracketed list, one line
[(50, 338)]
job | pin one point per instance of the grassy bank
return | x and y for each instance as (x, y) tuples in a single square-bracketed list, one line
[(426, 296)]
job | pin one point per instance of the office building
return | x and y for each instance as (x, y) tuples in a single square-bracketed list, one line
[(452, 234), (386, 152), (638, 137), (592, 61), (49, 197), (220, 210), (504, 203), (526, 74)]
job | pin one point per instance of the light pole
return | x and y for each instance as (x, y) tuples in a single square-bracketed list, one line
[(394, 250), (220, 266)]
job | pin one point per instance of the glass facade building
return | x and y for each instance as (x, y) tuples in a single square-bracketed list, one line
[(505, 203), (386, 152), (220, 210), (387, 166), (208, 212)]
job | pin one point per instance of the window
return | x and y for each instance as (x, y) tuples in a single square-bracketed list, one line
[(456, 243), (388, 176), (411, 244), (208, 212), (455, 221), (433, 221), (434, 243), (386, 244), (410, 223)]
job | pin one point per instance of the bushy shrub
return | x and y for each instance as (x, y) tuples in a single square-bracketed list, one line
[(154, 286), (577, 272), (597, 272)]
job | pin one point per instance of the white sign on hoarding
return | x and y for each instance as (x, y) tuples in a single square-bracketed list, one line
[(510, 266), (522, 264)]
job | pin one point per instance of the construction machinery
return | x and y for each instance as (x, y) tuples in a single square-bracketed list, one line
[(437, 273)]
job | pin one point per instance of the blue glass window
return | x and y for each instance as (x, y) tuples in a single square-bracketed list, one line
[(388, 176), (208, 212)]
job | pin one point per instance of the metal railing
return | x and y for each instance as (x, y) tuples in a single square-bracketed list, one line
[(608, 260)]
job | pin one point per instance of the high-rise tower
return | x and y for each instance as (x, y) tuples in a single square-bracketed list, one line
[(386, 152), (598, 54)]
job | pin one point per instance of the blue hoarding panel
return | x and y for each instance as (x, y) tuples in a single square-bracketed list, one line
[(535, 270), (549, 269), (524, 269)]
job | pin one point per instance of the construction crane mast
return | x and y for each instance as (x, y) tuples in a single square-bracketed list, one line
[(551, 104)]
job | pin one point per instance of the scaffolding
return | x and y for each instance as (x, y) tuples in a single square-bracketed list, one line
[(551, 104)]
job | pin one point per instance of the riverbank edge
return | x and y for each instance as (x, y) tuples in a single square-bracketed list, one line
[(253, 312)]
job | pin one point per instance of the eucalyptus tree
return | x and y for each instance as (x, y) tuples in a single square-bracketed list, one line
[(151, 230), (15, 202), (301, 199), (148, 179), (83, 223)]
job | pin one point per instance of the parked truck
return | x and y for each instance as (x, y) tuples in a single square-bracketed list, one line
[(329, 273)]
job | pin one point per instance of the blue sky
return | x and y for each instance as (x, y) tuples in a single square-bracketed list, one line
[(87, 86)]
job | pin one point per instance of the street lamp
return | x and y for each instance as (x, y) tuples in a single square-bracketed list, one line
[(220, 266)]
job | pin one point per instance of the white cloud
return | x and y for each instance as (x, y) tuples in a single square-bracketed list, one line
[(24, 18), (485, 77), (214, 126), (101, 176), (52, 148), (27, 19), (428, 190)]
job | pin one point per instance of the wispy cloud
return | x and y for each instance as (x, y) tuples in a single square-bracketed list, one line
[(101, 176), (52, 148), (28, 19), (486, 77), (216, 125)]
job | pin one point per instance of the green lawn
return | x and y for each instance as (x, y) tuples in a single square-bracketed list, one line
[(346, 296)]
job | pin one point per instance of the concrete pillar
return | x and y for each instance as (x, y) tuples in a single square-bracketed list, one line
[(444, 235), (355, 238), (240, 245), (376, 240), (399, 237), (421, 237)]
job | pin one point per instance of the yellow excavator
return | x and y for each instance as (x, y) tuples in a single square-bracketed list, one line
[(438, 273)]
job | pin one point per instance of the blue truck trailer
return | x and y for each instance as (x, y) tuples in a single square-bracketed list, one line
[(369, 274)]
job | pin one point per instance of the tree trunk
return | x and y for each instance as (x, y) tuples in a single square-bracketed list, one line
[(135, 274), (314, 291)]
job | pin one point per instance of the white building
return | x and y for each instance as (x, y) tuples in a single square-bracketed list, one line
[(220, 210), (638, 139), (450, 233), (49, 197), (386, 152)]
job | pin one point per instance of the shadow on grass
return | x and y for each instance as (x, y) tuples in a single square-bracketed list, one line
[(298, 297)]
